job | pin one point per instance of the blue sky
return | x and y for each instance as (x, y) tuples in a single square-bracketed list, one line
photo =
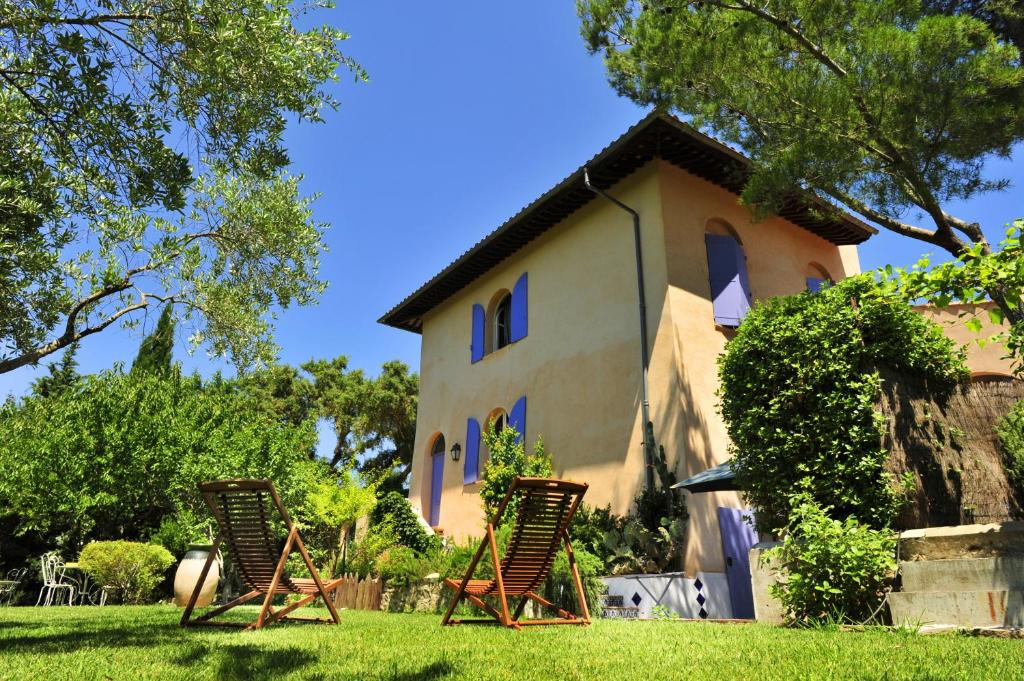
[(473, 110)]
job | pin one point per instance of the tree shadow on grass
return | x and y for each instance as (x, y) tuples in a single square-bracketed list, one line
[(435, 670), (232, 661), (73, 636)]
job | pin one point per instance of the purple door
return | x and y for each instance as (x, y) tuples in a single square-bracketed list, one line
[(737, 537), (436, 477)]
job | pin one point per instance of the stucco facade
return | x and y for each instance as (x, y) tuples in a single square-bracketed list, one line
[(579, 365)]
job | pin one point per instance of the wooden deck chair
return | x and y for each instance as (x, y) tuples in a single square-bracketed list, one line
[(249, 513), (546, 507)]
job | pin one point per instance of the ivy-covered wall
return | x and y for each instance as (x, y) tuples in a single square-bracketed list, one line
[(948, 445)]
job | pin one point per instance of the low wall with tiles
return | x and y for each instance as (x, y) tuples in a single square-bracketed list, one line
[(705, 596)]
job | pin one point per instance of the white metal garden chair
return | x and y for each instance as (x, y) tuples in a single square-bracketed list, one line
[(9, 586), (54, 586)]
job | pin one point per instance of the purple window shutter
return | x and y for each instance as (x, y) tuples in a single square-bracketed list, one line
[(727, 274), (814, 284), (519, 315), (476, 347), (471, 470), (517, 419)]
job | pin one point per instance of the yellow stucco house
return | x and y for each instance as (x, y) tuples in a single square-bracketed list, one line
[(537, 325)]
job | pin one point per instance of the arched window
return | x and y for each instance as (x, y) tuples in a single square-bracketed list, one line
[(815, 276), (497, 421), (727, 274), (501, 333)]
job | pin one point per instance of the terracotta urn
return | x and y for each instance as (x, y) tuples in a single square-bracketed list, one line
[(187, 575)]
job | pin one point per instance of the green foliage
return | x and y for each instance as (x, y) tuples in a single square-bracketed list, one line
[(837, 570), (885, 107), (132, 569), (589, 528), (374, 419), (508, 461), (633, 548), (402, 567), (106, 212), (560, 589), (1011, 437), (332, 508), (370, 552), (63, 374), (114, 455), (971, 278), (798, 388), (396, 509), (156, 352)]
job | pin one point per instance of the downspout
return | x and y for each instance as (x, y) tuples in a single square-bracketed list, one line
[(645, 409)]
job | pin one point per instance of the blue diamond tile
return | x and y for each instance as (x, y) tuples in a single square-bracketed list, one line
[(703, 614), (698, 584), (701, 599), (636, 599)]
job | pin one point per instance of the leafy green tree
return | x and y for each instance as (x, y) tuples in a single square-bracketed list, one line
[(509, 460), (63, 374), (374, 419), (385, 425), (799, 384), (116, 455), (888, 108), (157, 349), (968, 279), (336, 505), (142, 162)]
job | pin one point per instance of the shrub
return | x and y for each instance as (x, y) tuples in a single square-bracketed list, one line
[(837, 569), (368, 552), (798, 388), (559, 587), (394, 507), (1011, 437), (508, 461), (131, 568)]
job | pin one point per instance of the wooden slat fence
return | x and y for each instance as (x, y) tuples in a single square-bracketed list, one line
[(356, 594)]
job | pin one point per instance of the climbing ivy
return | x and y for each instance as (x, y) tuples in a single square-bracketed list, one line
[(799, 384)]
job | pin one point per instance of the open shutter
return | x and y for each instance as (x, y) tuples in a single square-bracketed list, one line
[(727, 274), (517, 418), (814, 284), (519, 315), (471, 471), (476, 346)]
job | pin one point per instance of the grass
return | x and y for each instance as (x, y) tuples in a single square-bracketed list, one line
[(146, 643)]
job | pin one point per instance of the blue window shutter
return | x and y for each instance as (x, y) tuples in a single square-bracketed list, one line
[(517, 418), (814, 284), (519, 305), (471, 470), (727, 274), (476, 347)]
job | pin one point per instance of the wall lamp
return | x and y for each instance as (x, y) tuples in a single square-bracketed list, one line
[(456, 451)]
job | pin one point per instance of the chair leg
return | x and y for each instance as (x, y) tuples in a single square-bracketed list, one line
[(506, 618), (460, 592), (40, 599), (275, 580), (199, 583), (328, 599), (581, 597)]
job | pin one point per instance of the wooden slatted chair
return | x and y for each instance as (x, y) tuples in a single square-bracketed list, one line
[(546, 506), (249, 514)]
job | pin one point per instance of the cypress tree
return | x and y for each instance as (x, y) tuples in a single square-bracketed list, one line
[(156, 350)]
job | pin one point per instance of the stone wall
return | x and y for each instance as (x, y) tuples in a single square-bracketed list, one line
[(949, 445)]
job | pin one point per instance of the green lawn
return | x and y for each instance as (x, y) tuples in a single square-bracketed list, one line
[(146, 643)]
